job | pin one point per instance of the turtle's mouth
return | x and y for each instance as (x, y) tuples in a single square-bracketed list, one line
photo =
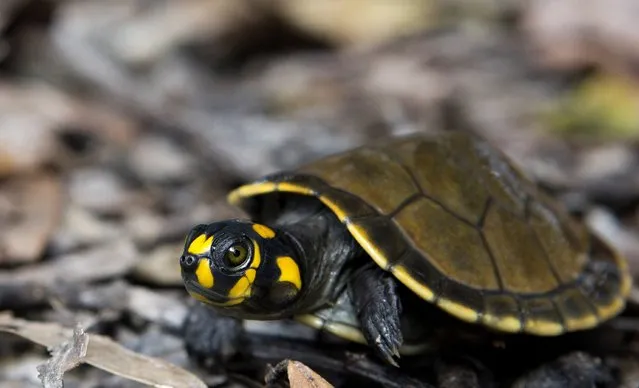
[(206, 295)]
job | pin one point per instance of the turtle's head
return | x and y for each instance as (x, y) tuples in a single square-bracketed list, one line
[(243, 268)]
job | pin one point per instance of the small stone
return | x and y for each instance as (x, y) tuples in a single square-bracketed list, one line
[(145, 226), (98, 190), (156, 159), (26, 142), (107, 261), (160, 266), (81, 228), (160, 308), (606, 161)]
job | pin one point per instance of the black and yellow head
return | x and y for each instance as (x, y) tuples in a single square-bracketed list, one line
[(245, 268)]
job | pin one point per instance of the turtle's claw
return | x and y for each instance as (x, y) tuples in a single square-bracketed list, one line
[(379, 310)]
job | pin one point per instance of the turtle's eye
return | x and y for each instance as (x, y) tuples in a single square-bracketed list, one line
[(236, 256)]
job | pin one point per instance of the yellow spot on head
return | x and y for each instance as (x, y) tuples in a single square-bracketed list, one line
[(264, 231), (200, 245), (289, 271), (204, 274), (257, 256), (250, 274), (241, 289)]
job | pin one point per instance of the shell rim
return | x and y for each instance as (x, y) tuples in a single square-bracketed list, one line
[(458, 310)]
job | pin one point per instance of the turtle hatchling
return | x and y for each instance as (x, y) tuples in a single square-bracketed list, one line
[(366, 244)]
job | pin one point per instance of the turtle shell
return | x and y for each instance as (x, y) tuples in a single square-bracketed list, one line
[(457, 223)]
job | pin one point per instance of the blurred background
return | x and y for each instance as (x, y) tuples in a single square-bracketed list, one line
[(123, 123)]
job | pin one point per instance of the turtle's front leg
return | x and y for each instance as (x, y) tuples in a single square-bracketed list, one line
[(209, 335), (374, 294)]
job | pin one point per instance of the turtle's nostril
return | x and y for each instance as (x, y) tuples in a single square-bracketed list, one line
[(188, 262)]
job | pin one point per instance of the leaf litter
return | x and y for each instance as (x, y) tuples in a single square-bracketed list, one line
[(125, 123), (71, 347)]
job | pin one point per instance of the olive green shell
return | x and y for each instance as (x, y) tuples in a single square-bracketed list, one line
[(463, 228)]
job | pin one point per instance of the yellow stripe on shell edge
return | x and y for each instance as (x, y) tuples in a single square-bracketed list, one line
[(250, 190), (614, 308), (339, 213), (362, 239), (424, 292), (459, 310), (542, 327), (293, 188), (503, 324)]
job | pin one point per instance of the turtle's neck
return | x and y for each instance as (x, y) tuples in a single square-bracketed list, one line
[(325, 245)]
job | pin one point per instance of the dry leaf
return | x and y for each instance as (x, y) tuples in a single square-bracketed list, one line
[(104, 353), (301, 376), (603, 105)]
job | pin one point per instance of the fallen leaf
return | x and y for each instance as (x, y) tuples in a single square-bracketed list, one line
[(103, 353), (603, 105), (301, 376)]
